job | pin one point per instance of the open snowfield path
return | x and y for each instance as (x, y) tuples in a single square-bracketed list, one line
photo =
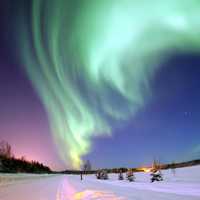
[(69, 187)]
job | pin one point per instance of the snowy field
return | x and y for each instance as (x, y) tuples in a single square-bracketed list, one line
[(7, 179), (183, 185)]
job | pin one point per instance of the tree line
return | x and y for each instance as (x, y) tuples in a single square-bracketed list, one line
[(10, 164)]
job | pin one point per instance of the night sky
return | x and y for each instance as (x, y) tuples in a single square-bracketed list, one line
[(164, 127)]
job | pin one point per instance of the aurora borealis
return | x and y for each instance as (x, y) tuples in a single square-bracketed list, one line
[(91, 62), (101, 68)]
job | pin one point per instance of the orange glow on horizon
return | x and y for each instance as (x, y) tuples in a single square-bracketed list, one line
[(146, 169)]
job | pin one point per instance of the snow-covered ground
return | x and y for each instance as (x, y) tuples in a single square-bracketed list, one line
[(183, 185), (7, 178)]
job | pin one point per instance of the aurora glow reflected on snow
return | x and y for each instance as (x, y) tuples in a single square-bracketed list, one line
[(91, 61)]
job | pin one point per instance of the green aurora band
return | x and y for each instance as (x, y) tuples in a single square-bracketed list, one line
[(91, 61)]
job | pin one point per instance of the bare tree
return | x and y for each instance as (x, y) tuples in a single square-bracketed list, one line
[(173, 168), (87, 166), (156, 165), (5, 149)]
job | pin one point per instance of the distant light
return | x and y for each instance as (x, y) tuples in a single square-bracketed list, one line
[(145, 169)]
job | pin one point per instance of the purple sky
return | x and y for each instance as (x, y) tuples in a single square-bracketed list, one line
[(166, 128)]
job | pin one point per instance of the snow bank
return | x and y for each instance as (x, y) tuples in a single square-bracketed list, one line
[(181, 181), (6, 179)]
